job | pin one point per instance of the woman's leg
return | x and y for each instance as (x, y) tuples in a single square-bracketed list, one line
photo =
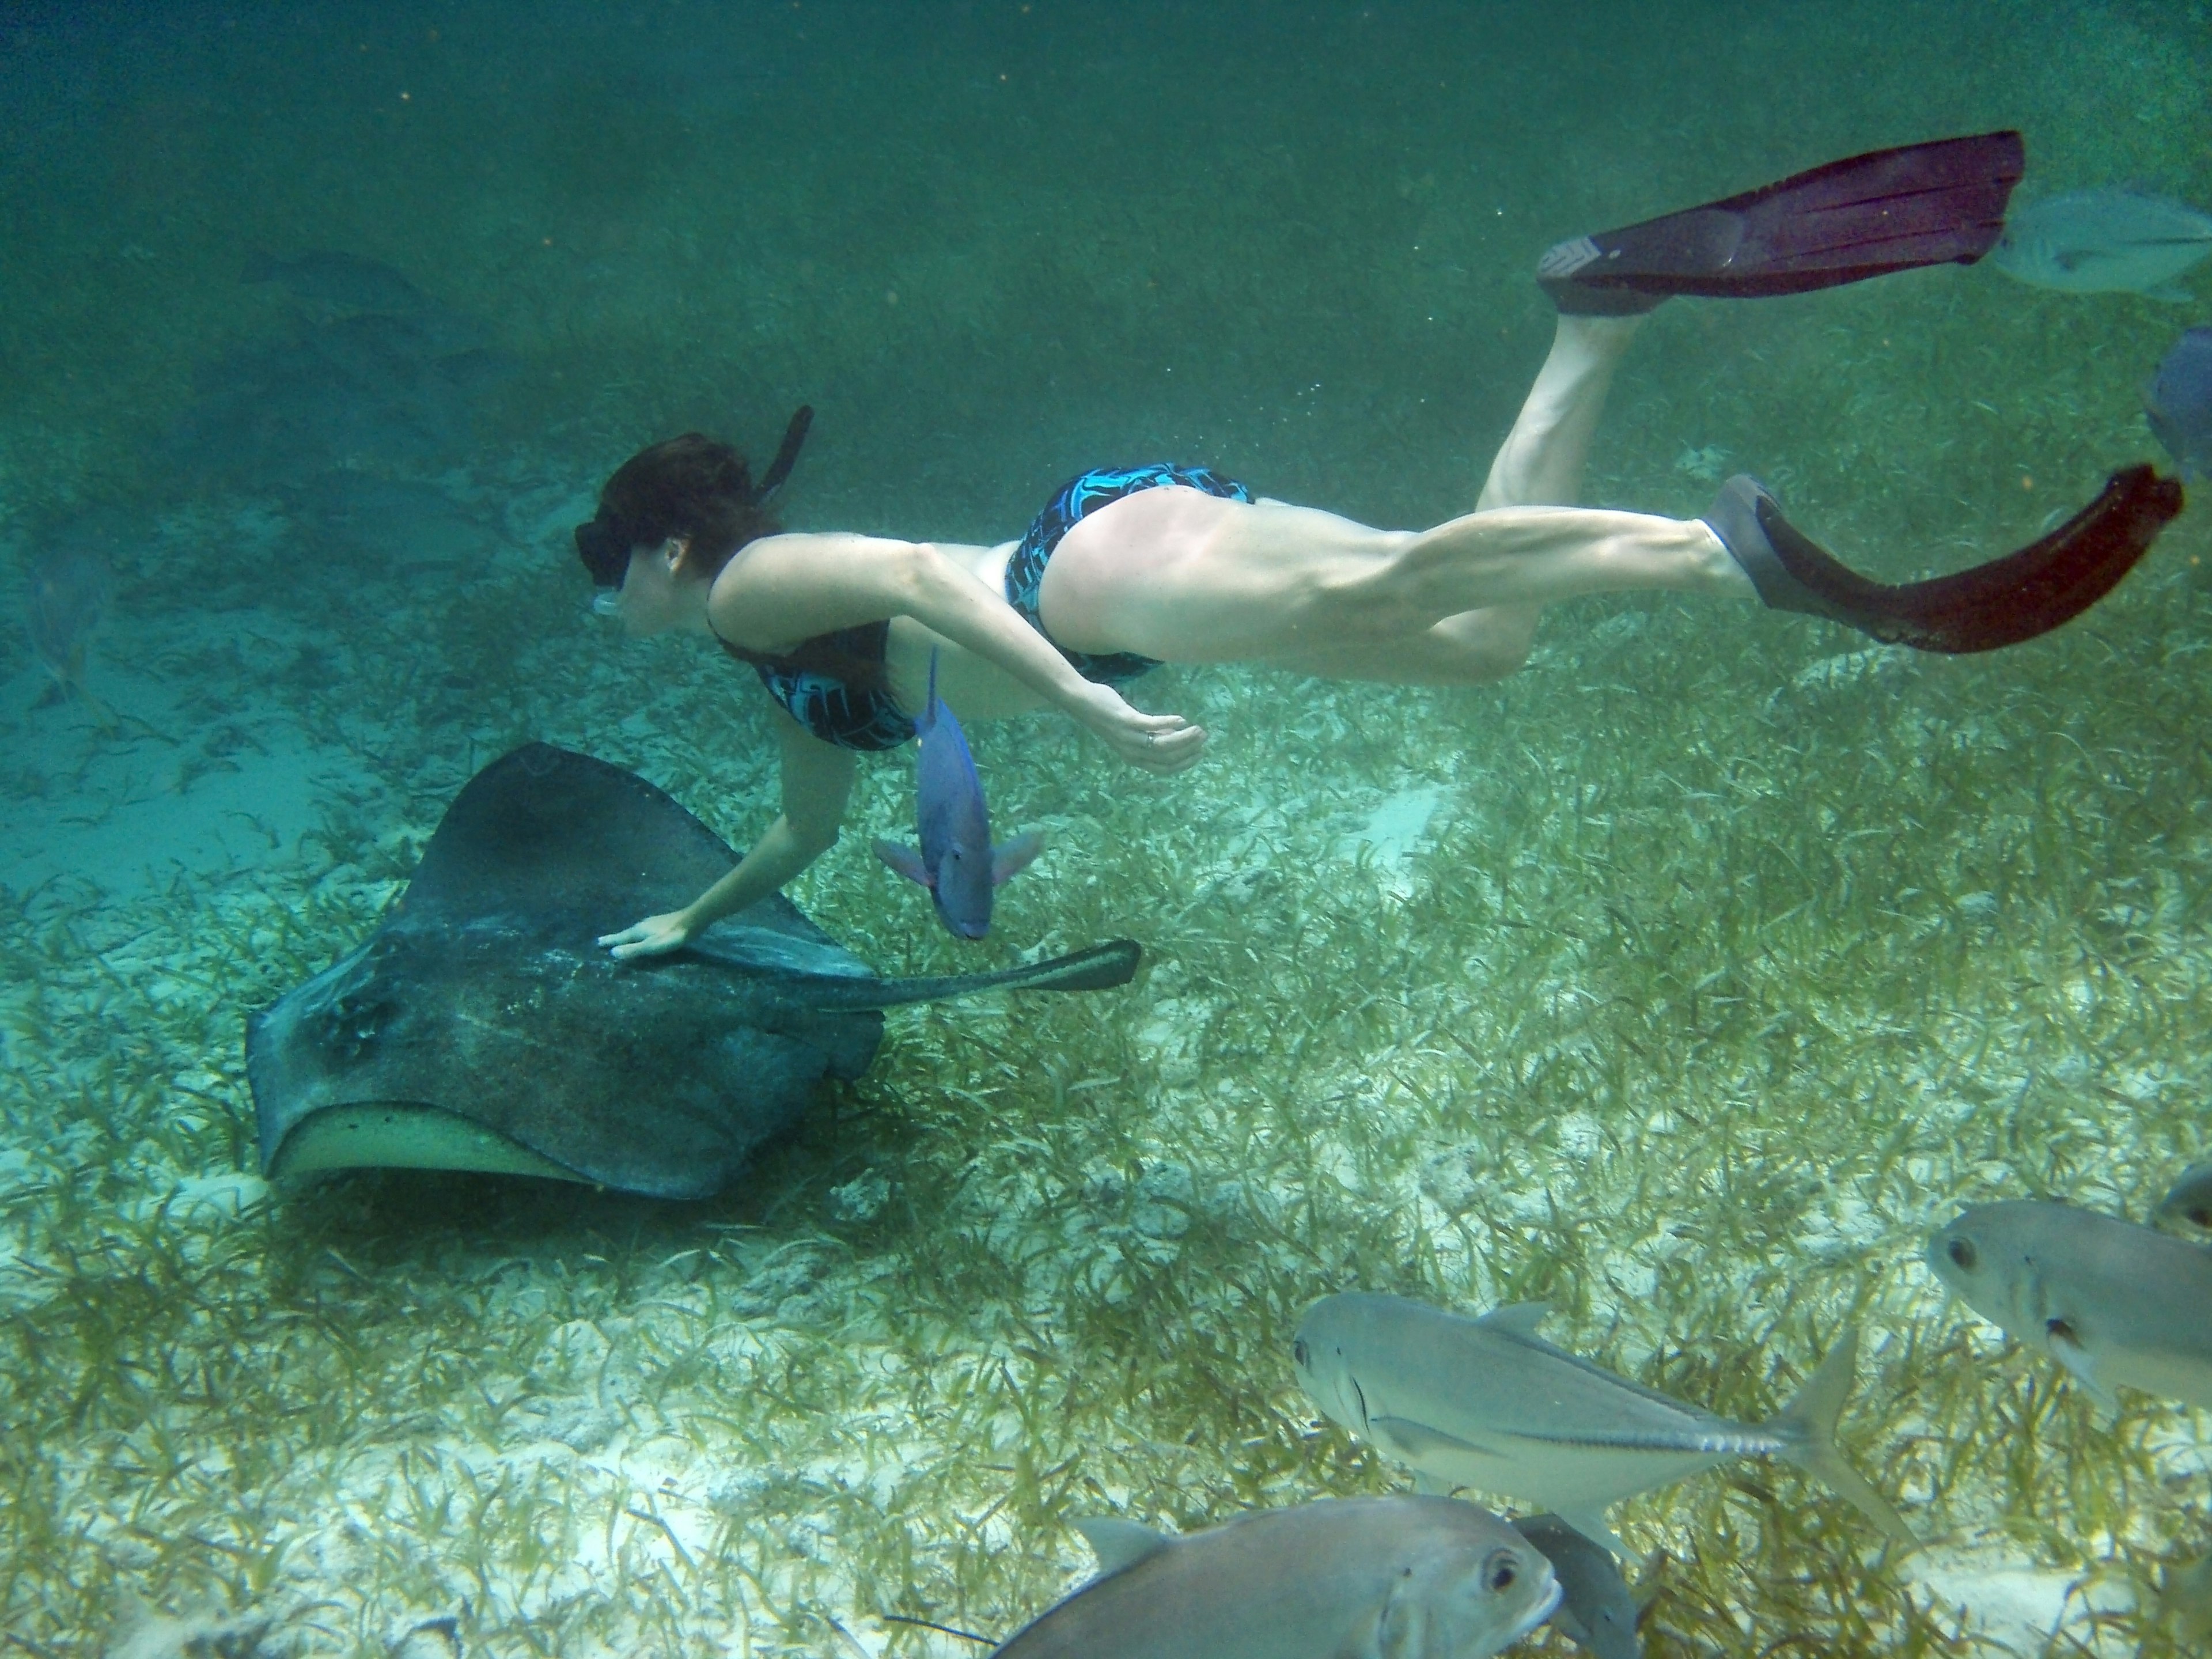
[(1540, 464), (1187, 577), (1473, 648)]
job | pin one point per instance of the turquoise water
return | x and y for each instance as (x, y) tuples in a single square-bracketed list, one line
[(1685, 979)]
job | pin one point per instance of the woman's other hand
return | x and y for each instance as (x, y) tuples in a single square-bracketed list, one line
[(1164, 744), (656, 936)]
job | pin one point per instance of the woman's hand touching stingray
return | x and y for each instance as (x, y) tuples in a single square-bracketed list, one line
[(656, 936)]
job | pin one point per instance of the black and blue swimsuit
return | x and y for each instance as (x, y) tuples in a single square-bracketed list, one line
[(846, 715), (853, 719)]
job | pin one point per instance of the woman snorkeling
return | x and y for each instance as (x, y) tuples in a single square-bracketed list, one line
[(1127, 568)]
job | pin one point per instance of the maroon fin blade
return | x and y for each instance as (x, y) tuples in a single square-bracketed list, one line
[(2025, 594), (1941, 203)]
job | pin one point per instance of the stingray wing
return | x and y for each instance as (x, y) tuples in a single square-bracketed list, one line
[(482, 1028), (660, 1082), (483, 1002)]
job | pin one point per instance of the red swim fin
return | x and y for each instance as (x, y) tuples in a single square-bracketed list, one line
[(2045, 583), (1889, 209)]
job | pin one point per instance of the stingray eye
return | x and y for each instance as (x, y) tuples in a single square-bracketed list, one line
[(1501, 1572), (1962, 1254), (2201, 1216), (1302, 1353), (2061, 1330)]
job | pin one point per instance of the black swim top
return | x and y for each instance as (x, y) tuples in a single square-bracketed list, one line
[(826, 706)]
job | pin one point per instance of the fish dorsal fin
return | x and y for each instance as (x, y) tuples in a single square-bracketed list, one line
[(930, 705), (1517, 1318), (1119, 1544)]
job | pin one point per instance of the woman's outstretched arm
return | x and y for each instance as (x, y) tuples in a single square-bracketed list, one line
[(817, 783), (788, 588)]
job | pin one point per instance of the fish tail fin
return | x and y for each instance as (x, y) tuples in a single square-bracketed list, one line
[(1809, 1421)]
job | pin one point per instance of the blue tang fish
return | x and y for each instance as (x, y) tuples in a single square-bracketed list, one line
[(2179, 401), (957, 862)]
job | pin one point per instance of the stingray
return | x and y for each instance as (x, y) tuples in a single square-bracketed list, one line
[(481, 1028)]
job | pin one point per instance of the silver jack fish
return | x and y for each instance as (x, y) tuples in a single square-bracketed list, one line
[(2111, 1301), (1487, 1403), (2105, 241), (2189, 1203), (1400, 1577)]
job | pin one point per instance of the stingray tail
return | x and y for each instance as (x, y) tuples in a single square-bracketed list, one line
[(1809, 1421), (1098, 969)]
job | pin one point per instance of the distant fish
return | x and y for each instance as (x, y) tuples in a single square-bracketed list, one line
[(2105, 241), (2191, 1199), (1487, 1403), (2184, 1601), (392, 527), (2179, 403), (142, 1633), (360, 390), (1420, 1577), (2111, 1301), (957, 862), (64, 601), (343, 282), (1595, 1609)]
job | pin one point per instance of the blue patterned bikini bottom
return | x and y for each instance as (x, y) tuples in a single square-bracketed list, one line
[(1074, 501)]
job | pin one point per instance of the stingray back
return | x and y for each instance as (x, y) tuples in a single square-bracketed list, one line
[(483, 994), (544, 830)]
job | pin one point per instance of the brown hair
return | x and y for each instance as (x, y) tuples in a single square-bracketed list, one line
[(700, 489), (693, 487)]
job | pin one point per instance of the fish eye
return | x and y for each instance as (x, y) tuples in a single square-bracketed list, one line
[(1962, 1254), (1302, 1353), (1501, 1572)]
